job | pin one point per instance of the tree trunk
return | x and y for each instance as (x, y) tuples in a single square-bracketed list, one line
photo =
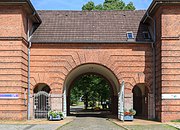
[(86, 101)]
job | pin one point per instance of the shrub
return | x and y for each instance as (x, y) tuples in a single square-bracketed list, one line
[(54, 114), (131, 112)]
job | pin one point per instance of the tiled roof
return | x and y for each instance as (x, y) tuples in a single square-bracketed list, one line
[(88, 26)]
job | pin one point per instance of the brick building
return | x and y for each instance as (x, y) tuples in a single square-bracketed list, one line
[(47, 50)]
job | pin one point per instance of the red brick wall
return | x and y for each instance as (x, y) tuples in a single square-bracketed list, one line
[(167, 62), (51, 63), (13, 22), (13, 62), (13, 77), (157, 18), (170, 61)]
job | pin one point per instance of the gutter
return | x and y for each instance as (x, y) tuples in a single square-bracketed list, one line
[(155, 3), (92, 42), (34, 12)]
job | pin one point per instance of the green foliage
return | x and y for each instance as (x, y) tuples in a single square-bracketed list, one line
[(75, 95), (98, 7), (130, 6), (54, 114), (109, 5), (131, 112), (151, 127), (114, 5), (176, 120), (89, 6), (92, 88)]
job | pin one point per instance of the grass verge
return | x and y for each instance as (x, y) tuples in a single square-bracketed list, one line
[(176, 120), (151, 127)]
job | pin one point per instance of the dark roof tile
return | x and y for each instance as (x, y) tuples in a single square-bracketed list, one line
[(88, 26)]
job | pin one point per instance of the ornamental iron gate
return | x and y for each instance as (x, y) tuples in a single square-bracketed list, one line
[(41, 104)]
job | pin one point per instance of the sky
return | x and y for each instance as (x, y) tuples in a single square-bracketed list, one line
[(77, 4)]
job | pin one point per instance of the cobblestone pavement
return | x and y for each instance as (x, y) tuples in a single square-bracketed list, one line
[(30, 127), (91, 123)]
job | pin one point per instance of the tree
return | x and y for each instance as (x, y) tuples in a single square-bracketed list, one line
[(129, 6), (109, 5), (114, 5), (89, 6), (93, 88), (98, 7)]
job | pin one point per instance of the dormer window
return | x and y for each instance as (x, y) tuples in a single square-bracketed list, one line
[(146, 35), (130, 36)]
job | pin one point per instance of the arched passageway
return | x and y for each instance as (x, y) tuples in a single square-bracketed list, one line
[(140, 100), (41, 100), (91, 92), (92, 69)]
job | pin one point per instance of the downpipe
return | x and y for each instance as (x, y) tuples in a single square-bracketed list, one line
[(154, 65), (29, 106), (29, 90), (29, 56)]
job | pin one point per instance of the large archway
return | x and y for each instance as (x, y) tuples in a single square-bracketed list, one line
[(91, 93), (91, 68)]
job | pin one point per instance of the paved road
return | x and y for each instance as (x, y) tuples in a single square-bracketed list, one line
[(176, 125), (91, 123), (30, 127)]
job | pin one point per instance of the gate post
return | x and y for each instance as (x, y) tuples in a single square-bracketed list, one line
[(121, 102), (64, 103)]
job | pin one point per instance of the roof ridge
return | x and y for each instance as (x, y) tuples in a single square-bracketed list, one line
[(89, 11)]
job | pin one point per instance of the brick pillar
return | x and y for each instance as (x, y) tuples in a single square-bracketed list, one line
[(56, 102), (170, 56), (128, 99)]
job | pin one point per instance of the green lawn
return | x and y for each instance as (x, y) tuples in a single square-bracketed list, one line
[(151, 127), (80, 103), (176, 120)]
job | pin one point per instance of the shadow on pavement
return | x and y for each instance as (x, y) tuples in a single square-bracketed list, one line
[(92, 113)]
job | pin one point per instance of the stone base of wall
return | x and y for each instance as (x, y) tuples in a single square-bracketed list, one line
[(13, 115), (169, 116), (31, 107)]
